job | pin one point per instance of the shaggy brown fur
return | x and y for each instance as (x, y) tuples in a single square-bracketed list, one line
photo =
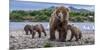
[(27, 29), (75, 32), (59, 21), (33, 29)]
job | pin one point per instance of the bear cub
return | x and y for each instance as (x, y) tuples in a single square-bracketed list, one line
[(75, 32), (33, 29)]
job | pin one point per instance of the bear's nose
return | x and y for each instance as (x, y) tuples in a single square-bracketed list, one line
[(59, 17), (60, 14)]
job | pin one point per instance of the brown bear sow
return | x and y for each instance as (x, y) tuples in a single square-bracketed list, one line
[(58, 22), (75, 32), (33, 29)]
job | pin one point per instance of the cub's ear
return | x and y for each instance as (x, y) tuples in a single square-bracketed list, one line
[(72, 24)]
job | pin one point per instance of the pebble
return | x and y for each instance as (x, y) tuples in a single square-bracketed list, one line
[(22, 41)]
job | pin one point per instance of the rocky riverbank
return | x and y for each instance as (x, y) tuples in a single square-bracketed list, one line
[(18, 40)]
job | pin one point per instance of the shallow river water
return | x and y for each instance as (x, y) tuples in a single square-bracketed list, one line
[(20, 25)]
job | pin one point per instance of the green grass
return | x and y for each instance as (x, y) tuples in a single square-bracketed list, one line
[(48, 45)]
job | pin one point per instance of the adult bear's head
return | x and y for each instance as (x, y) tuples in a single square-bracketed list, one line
[(61, 13)]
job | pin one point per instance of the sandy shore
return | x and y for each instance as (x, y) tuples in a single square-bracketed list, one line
[(18, 40)]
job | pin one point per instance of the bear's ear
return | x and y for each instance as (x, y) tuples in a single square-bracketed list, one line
[(68, 9)]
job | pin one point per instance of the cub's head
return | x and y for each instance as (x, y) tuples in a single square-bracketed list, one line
[(70, 26)]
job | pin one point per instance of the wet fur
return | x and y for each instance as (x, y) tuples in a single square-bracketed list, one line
[(75, 32), (58, 24), (33, 29)]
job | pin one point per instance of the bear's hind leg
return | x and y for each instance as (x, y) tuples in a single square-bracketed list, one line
[(76, 36), (44, 33), (39, 34), (80, 35)]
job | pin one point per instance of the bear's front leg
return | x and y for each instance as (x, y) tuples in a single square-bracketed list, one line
[(52, 34), (63, 34), (33, 35), (63, 37), (60, 35), (26, 32)]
